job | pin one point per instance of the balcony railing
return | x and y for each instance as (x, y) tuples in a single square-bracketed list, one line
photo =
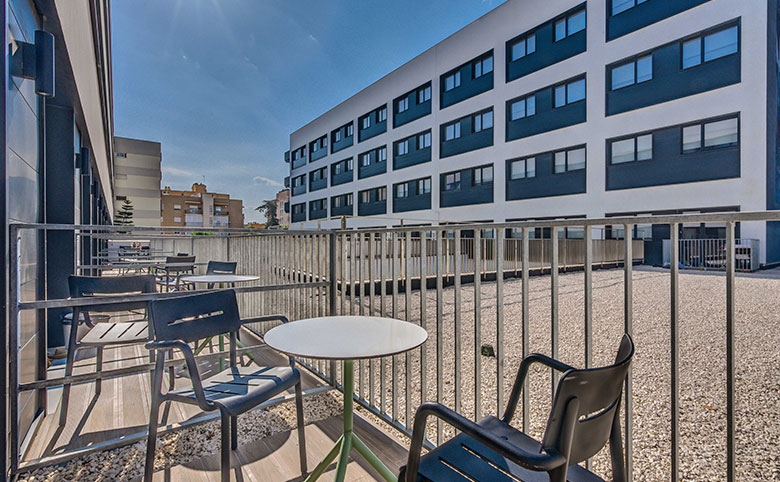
[(471, 287)]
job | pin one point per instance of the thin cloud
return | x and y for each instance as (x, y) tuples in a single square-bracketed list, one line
[(267, 181), (176, 172)]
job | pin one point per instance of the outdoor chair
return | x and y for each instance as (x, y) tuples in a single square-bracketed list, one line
[(104, 333), (220, 267), (233, 391), (583, 416), (169, 276)]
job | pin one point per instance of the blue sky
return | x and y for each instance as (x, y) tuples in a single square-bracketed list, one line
[(222, 83)]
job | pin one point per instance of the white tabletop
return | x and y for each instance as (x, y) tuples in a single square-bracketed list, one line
[(345, 337), (218, 278)]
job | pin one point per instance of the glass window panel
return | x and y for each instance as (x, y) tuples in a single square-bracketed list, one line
[(530, 167), (720, 133), (487, 120), (691, 53), (720, 44), (691, 138), (518, 50), (477, 176), (560, 162), (457, 129), (560, 96), (621, 6), (560, 29), (530, 105), (576, 22), (576, 91), (623, 151), (644, 68), (576, 159), (400, 190), (530, 44), (517, 110), (477, 69), (477, 123), (644, 147), (487, 65), (517, 170), (622, 75)]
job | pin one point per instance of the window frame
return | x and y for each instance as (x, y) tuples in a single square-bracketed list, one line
[(635, 64), (634, 3), (480, 62), (566, 164), (481, 117), (523, 99), (455, 83), (426, 186), (424, 94), (421, 138), (565, 19), (701, 124), (524, 39), (525, 161), (565, 85), (701, 37), (635, 140), (481, 170), (456, 130), (456, 181)]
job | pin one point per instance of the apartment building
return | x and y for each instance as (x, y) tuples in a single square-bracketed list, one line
[(283, 207), (561, 109), (198, 207), (57, 161), (137, 176)]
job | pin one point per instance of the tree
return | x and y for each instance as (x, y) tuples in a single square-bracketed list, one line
[(268, 208), (125, 215)]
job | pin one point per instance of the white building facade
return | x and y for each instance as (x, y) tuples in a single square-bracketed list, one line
[(561, 109)]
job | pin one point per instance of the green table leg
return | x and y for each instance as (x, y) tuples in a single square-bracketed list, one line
[(349, 440)]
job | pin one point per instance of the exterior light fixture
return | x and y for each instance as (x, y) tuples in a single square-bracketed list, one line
[(36, 62)]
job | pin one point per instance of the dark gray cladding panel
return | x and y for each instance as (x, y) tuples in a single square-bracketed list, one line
[(644, 14), (467, 194), (547, 118), (468, 141), (545, 183), (372, 208), (469, 86)]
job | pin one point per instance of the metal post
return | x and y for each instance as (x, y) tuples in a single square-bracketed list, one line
[(499, 320), (408, 311), (439, 327), (553, 301), (477, 323), (730, 369), (628, 306), (457, 307), (675, 346), (13, 345), (423, 312), (333, 256), (525, 322)]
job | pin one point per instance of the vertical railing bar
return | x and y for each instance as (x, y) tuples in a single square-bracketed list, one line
[(628, 317), (477, 323), (439, 336), (395, 276), (525, 323), (499, 255), (674, 245), (408, 313), (352, 272), (553, 301), (371, 363), (730, 369), (382, 312), (423, 313), (13, 344), (458, 338), (335, 253)]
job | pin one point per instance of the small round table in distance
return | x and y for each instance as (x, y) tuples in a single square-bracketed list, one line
[(346, 338), (219, 279)]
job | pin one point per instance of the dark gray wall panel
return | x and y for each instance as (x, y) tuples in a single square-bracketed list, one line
[(372, 208), (545, 183), (468, 141), (469, 86), (342, 178), (468, 193), (644, 14), (546, 118)]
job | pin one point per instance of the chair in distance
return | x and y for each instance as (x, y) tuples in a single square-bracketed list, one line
[(583, 417), (233, 391), (169, 276), (105, 333), (220, 267)]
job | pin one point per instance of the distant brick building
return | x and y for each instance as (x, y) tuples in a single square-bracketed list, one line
[(282, 207), (199, 207)]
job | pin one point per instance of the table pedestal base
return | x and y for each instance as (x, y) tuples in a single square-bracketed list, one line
[(349, 439)]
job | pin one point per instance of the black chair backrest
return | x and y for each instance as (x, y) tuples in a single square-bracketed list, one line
[(195, 317), (598, 392), (221, 267), (187, 263), (85, 286)]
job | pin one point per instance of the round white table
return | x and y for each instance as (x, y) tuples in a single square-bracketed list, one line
[(346, 338)]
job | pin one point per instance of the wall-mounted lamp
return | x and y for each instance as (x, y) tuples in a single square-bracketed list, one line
[(36, 62)]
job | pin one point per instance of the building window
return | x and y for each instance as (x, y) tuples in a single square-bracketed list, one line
[(381, 193), (403, 105), (452, 182), (452, 81), (522, 168), (452, 131), (483, 66), (298, 181), (338, 135), (639, 148), (633, 72), (483, 121), (619, 6), (349, 130), (424, 140), (524, 46), (402, 190), (366, 122), (343, 166), (483, 175), (121, 176), (123, 198), (176, 219), (569, 160), (175, 206), (424, 186), (365, 159), (381, 154), (121, 154), (318, 174), (402, 148), (715, 45), (569, 92), (716, 134), (424, 94), (524, 107), (570, 25), (381, 115)]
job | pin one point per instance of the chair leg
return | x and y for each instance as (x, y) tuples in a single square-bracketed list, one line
[(99, 368), (66, 387), (233, 433), (301, 434), (225, 448), (171, 373), (151, 440)]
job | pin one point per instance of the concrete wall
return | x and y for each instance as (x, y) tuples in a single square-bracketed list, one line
[(137, 176)]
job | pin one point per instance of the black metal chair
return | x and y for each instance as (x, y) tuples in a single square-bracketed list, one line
[(233, 391), (169, 276), (221, 267), (105, 333), (583, 417)]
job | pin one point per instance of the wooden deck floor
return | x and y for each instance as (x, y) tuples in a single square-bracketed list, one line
[(122, 409)]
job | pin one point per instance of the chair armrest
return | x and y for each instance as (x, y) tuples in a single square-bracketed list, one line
[(192, 367), (522, 372), (258, 319), (540, 462)]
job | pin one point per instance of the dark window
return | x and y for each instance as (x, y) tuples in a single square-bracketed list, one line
[(619, 6), (569, 25), (632, 72), (524, 46), (482, 121), (424, 94), (452, 81), (524, 107), (424, 186), (483, 66), (569, 160), (710, 47), (710, 135), (570, 92), (483, 175), (424, 140), (637, 148), (452, 181), (522, 168)]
